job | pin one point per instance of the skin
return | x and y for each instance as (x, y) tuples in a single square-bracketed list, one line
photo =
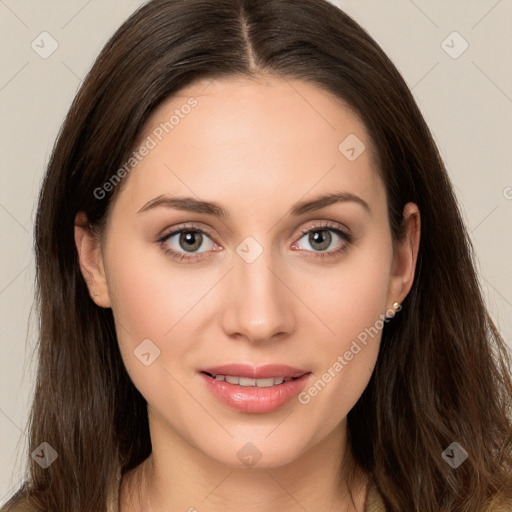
[(256, 147)]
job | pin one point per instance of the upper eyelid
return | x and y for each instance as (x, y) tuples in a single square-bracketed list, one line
[(179, 229), (327, 225)]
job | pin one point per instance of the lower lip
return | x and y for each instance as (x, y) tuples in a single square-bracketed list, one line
[(254, 399)]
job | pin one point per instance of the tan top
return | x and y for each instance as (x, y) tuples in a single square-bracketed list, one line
[(374, 502)]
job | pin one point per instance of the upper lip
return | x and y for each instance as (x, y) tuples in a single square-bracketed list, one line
[(255, 372)]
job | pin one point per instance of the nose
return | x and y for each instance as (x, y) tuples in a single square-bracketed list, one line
[(258, 304)]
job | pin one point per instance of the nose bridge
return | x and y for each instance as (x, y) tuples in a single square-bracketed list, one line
[(258, 303)]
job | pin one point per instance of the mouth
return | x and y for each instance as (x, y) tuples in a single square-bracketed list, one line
[(251, 389)]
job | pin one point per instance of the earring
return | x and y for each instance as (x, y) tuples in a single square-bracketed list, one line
[(397, 307), (95, 294)]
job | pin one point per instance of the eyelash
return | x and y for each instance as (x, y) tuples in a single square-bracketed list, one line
[(178, 256)]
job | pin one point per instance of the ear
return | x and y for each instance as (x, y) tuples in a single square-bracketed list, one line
[(91, 261), (406, 255)]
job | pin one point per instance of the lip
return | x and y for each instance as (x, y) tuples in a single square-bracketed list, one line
[(253, 399), (256, 372)]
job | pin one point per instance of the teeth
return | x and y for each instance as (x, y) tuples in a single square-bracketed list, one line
[(248, 382), (231, 380)]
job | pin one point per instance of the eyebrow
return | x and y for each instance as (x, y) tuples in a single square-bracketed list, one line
[(191, 204)]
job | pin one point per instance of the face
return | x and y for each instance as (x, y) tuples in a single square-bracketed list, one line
[(268, 275)]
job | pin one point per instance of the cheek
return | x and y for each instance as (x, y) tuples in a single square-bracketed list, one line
[(351, 305), (146, 305), (140, 297), (149, 294), (353, 296)]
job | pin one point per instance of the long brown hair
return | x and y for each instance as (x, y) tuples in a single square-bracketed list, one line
[(443, 370)]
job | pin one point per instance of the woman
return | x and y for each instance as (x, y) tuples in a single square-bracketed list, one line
[(198, 349)]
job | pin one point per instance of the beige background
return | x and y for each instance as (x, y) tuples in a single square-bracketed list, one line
[(467, 102)]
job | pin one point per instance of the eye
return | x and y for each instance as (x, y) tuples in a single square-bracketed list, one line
[(188, 239), (320, 238)]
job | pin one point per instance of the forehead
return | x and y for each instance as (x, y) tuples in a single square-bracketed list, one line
[(278, 108), (253, 138)]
